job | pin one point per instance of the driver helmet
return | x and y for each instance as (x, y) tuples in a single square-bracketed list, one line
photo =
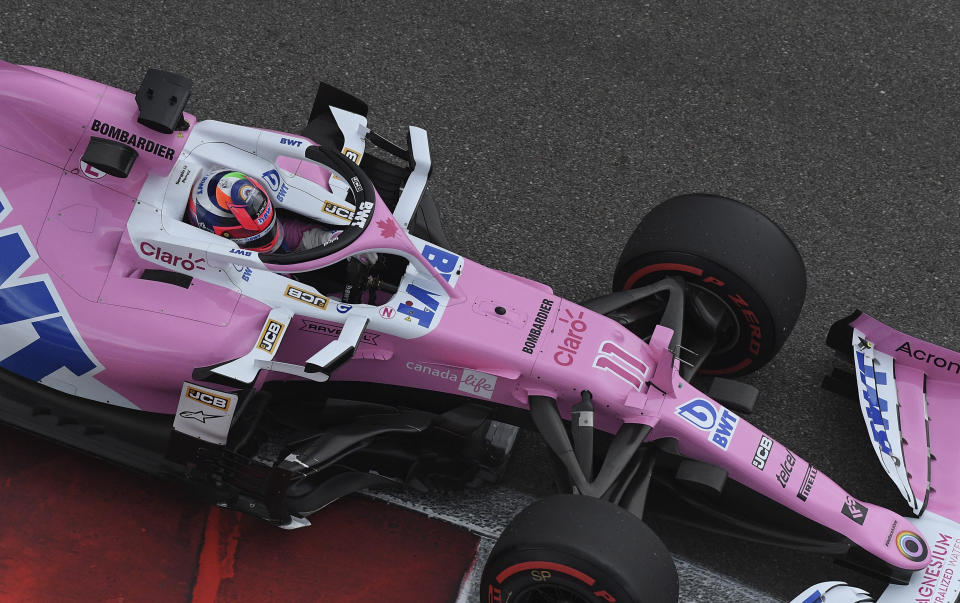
[(237, 207)]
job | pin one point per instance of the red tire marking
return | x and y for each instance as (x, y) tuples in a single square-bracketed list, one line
[(557, 567), (639, 274), (691, 270), (732, 369)]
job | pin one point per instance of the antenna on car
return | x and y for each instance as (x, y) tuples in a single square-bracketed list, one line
[(161, 99)]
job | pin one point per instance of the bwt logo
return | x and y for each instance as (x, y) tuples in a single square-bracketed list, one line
[(273, 179), (363, 212), (876, 406), (245, 272), (429, 301), (291, 142), (442, 260), (276, 184), (58, 344), (702, 415)]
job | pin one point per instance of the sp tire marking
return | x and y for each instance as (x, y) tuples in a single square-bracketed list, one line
[(545, 565)]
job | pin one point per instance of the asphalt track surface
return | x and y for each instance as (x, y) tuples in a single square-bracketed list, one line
[(555, 127)]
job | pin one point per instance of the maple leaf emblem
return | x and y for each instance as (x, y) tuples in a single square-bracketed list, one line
[(388, 228)]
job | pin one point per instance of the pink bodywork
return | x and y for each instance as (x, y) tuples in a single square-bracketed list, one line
[(927, 382), (150, 336)]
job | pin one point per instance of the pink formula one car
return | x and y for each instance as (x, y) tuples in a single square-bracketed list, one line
[(276, 382)]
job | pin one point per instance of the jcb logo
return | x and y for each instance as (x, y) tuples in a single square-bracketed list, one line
[(306, 297), (337, 210), (352, 155), (208, 398), (270, 336), (623, 364)]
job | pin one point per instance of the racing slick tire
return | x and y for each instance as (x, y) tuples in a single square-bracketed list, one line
[(732, 251), (578, 549)]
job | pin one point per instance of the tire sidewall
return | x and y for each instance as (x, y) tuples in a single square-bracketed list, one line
[(590, 546), (526, 569), (757, 337)]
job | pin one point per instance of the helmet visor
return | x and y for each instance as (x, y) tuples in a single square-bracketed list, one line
[(251, 207)]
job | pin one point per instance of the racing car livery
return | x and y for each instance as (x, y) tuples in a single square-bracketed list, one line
[(274, 382)]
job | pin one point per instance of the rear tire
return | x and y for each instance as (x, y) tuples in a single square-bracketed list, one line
[(722, 247), (576, 549)]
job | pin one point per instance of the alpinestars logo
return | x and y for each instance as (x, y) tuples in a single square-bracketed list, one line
[(198, 415)]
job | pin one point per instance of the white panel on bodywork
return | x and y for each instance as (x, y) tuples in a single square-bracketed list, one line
[(833, 592), (939, 581), (205, 413), (879, 405)]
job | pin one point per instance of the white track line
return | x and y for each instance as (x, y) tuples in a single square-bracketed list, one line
[(486, 511)]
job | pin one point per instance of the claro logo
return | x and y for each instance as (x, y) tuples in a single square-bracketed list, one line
[(209, 398), (568, 348), (188, 263)]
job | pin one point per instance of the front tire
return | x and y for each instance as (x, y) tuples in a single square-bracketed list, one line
[(576, 549), (732, 259)]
